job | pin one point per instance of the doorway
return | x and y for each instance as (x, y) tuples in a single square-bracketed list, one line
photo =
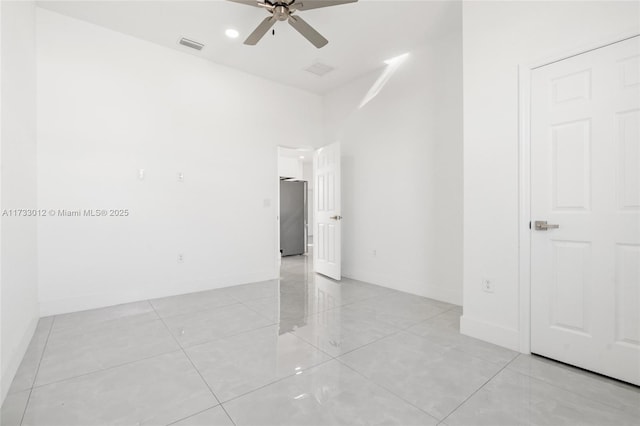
[(293, 217), (321, 170), (295, 201), (585, 210)]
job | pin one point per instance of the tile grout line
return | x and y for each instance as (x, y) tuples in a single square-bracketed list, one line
[(546, 382), (194, 414), (205, 342), (35, 376), (190, 361), (200, 412), (227, 413), (271, 324), (369, 298), (394, 333), (322, 351), (275, 381), (255, 310), (180, 348), (314, 314), (196, 311), (331, 358), (478, 390), (195, 368), (111, 367), (386, 389), (107, 324), (105, 369), (159, 318), (220, 402), (338, 358), (241, 302), (456, 348), (335, 357)]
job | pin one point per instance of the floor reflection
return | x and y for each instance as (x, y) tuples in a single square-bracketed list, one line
[(303, 293)]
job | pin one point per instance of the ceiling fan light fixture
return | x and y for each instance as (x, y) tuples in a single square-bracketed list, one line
[(232, 33)]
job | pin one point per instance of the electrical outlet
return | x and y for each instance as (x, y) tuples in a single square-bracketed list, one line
[(374, 252), (180, 177), (180, 258), (487, 286)]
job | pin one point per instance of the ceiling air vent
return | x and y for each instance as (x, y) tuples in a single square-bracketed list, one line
[(319, 69), (192, 44)]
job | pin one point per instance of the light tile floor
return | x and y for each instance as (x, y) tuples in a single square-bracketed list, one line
[(304, 350)]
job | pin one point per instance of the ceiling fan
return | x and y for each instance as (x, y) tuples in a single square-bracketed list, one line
[(282, 10)]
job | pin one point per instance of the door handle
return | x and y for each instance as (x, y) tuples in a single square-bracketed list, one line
[(336, 217), (542, 225)]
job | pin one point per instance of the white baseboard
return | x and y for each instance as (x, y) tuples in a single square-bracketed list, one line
[(440, 293), (102, 300), (492, 333), (11, 368)]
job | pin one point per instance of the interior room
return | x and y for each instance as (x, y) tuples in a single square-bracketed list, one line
[(319, 212)]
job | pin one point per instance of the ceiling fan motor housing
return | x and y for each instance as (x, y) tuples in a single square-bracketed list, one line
[(281, 13)]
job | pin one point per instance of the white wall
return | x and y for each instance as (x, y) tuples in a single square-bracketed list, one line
[(402, 172), (288, 166), (499, 36), (109, 105), (18, 277)]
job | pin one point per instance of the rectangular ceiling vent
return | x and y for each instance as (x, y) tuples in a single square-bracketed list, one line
[(192, 44), (319, 69)]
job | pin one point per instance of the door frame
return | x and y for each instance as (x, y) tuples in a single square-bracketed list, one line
[(277, 256), (524, 176)]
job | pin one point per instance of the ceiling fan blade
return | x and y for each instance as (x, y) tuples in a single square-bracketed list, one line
[(315, 4), (307, 31), (248, 2), (259, 32)]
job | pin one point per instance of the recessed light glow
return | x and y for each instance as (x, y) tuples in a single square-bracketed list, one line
[(397, 60), (302, 157), (231, 33)]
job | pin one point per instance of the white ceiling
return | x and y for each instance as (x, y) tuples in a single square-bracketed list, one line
[(361, 35)]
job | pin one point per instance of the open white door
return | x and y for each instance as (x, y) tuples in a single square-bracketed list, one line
[(327, 219), (585, 204)]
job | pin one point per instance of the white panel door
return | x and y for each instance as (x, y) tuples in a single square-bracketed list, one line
[(327, 241), (585, 178)]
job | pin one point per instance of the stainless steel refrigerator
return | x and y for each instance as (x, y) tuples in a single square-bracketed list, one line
[(293, 217)]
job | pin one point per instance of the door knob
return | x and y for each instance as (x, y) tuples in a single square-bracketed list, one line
[(336, 217), (542, 225)]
